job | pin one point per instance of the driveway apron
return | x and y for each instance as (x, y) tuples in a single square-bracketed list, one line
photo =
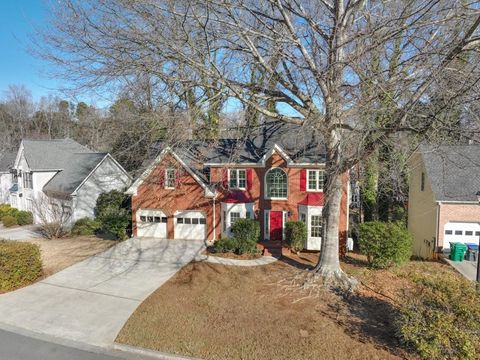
[(91, 301)]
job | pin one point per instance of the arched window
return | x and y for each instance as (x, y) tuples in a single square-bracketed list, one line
[(276, 184)]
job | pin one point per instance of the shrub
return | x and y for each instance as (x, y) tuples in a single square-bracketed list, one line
[(113, 213), (24, 217), (54, 230), (9, 221), (6, 209), (225, 245), (86, 226), (246, 229), (385, 244), (296, 233), (20, 264), (247, 234), (440, 317)]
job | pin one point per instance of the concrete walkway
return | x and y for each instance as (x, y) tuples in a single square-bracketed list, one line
[(90, 302), (20, 233), (264, 260), (467, 268)]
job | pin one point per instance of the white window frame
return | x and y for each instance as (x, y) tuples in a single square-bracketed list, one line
[(167, 178), (29, 204), (317, 180), (237, 178), (27, 180), (315, 226), (265, 187), (227, 208)]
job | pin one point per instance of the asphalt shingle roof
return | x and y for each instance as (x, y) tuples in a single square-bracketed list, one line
[(73, 160), (453, 171), (51, 154), (301, 143), (74, 172), (7, 160)]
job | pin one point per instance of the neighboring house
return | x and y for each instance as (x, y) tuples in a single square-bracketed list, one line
[(196, 190), (62, 179), (443, 205), (6, 163)]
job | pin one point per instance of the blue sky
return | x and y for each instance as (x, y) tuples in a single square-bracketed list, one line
[(17, 21)]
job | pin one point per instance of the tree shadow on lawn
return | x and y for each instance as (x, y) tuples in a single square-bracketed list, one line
[(368, 318)]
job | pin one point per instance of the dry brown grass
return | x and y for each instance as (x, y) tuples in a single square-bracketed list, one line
[(223, 312), (58, 254)]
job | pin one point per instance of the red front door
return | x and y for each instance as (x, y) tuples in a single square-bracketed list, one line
[(276, 225)]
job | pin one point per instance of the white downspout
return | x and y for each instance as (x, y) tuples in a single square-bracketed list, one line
[(214, 219)]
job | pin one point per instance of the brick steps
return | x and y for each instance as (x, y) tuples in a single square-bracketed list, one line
[(273, 248)]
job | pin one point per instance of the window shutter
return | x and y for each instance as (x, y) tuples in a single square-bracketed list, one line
[(225, 178), (303, 180), (249, 179)]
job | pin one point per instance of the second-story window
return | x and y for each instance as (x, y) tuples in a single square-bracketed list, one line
[(276, 184), (237, 179), (170, 178), (316, 179), (27, 180)]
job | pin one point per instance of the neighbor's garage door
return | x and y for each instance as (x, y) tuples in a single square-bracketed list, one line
[(190, 225), (464, 232), (151, 223)]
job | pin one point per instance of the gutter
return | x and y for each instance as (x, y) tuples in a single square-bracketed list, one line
[(437, 231)]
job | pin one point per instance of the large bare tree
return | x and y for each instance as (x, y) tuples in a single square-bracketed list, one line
[(315, 59)]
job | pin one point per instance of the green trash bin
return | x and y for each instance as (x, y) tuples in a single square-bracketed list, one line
[(452, 250), (459, 252)]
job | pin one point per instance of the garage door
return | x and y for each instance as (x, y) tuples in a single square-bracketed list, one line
[(465, 232), (190, 225), (151, 223)]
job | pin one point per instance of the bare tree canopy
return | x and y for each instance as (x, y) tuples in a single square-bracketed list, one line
[(360, 71)]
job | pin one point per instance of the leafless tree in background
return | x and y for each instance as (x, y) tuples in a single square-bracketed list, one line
[(315, 60)]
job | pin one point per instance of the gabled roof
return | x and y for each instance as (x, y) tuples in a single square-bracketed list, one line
[(51, 154), (299, 144), (7, 160), (453, 171), (74, 173)]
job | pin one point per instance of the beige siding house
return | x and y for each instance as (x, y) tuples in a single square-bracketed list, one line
[(443, 203)]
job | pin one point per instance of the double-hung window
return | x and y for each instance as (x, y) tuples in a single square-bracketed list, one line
[(316, 179), (170, 178), (237, 179), (276, 184), (316, 226), (27, 180), (234, 216)]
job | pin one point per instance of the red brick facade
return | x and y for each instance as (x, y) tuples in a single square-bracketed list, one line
[(190, 195)]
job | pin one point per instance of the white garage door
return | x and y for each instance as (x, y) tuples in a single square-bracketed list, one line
[(151, 223), (190, 225), (464, 232)]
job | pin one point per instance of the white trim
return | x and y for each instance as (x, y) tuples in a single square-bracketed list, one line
[(265, 197), (223, 165), (132, 190), (228, 208), (274, 149), (238, 179), (174, 178), (317, 172), (74, 192), (266, 226), (440, 202)]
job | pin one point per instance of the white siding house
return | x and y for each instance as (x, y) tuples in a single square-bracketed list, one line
[(61, 179), (6, 162)]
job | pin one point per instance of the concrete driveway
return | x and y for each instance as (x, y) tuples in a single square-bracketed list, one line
[(20, 233), (90, 301)]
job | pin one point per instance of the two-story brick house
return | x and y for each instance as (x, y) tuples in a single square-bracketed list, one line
[(196, 190)]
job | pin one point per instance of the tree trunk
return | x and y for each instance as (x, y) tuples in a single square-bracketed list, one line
[(329, 264)]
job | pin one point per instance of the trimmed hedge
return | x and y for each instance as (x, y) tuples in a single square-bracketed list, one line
[(440, 317), (20, 264), (24, 217), (9, 221), (385, 244), (246, 230), (21, 217), (86, 227), (296, 233)]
